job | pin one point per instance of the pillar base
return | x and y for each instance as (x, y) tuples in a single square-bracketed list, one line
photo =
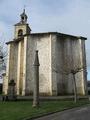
[(23, 92)]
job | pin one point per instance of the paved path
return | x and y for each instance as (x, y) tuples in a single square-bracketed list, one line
[(73, 114), (49, 97)]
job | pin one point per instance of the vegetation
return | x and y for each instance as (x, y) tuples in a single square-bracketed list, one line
[(20, 110)]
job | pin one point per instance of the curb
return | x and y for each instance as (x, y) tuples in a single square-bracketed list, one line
[(50, 113)]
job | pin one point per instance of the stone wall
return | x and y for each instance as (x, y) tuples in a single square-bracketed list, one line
[(11, 70), (22, 27), (58, 55), (13, 62), (42, 44), (67, 54), (20, 67)]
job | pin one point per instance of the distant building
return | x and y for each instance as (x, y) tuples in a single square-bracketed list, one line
[(58, 54)]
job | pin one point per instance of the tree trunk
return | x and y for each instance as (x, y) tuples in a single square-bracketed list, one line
[(75, 88)]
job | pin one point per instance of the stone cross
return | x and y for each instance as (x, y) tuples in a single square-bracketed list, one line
[(11, 90), (36, 81)]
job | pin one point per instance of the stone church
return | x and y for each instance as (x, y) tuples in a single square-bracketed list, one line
[(58, 54)]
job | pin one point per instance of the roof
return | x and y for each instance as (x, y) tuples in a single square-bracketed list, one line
[(46, 33), (20, 23), (15, 40), (60, 34)]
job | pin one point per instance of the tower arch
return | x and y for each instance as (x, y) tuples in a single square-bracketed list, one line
[(20, 32)]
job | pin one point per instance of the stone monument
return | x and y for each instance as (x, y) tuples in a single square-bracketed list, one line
[(11, 90), (36, 81)]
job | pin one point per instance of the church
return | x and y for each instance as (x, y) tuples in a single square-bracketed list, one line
[(58, 54)]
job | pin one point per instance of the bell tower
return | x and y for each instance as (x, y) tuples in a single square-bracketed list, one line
[(23, 17), (22, 28)]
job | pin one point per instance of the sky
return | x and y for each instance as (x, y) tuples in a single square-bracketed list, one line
[(65, 16)]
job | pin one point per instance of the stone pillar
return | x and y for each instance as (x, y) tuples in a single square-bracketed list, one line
[(36, 81), (50, 63), (18, 68), (4, 83), (24, 66), (11, 90), (82, 66), (53, 65), (85, 69), (7, 70)]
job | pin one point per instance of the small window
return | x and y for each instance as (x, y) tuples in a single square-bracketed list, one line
[(22, 18), (20, 32)]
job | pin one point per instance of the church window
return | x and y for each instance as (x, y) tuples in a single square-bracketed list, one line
[(22, 18), (20, 32)]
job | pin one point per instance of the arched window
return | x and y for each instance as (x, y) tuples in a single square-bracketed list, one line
[(20, 32)]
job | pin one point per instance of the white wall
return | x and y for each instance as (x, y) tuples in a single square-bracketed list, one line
[(41, 43)]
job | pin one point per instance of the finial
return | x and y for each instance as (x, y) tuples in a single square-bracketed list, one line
[(23, 16), (24, 8)]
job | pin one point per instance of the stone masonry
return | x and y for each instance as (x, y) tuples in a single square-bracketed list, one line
[(58, 54)]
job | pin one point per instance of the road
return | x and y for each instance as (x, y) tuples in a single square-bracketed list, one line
[(72, 114)]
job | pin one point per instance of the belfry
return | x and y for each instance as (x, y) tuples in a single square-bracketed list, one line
[(22, 28)]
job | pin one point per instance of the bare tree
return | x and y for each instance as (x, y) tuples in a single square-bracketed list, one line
[(3, 57), (72, 69), (74, 72)]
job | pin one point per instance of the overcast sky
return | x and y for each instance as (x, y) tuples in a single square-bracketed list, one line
[(67, 16)]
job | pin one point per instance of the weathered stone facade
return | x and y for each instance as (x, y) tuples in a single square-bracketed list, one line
[(58, 55)]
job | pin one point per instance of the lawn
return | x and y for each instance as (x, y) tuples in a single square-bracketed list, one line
[(23, 109)]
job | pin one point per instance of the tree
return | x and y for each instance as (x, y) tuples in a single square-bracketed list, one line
[(72, 69), (3, 57), (74, 72)]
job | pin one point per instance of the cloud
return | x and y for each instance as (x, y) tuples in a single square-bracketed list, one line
[(72, 18), (67, 16)]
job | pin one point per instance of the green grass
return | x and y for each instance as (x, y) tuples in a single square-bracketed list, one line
[(23, 109)]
